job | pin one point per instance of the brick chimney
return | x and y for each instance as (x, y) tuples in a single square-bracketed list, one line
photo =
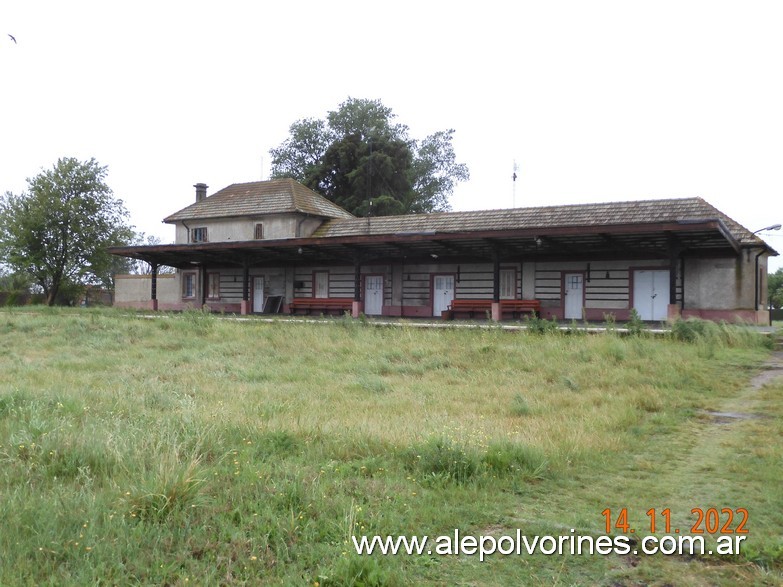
[(201, 191)]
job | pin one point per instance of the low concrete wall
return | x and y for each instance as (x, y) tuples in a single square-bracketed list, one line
[(135, 291)]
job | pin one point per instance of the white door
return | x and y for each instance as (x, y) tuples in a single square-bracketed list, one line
[(258, 294), (321, 284), (574, 296), (651, 294), (373, 295), (442, 293)]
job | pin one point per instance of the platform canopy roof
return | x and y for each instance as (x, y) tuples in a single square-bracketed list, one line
[(643, 229)]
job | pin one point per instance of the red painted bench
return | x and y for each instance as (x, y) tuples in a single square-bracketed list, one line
[(513, 307), (518, 307), (320, 305), (471, 307)]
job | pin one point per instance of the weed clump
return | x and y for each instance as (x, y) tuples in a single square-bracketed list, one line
[(519, 406), (635, 324), (359, 571), (510, 458), (695, 330), (446, 460), (538, 325), (173, 486), (198, 321)]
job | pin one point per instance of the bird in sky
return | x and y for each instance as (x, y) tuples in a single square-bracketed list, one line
[(13, 38)]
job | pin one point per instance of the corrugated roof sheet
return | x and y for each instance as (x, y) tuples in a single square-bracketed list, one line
[(603, 214), (258, 198)]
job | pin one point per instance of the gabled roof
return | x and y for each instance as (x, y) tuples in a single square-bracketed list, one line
[(680, 211), (277, 196)]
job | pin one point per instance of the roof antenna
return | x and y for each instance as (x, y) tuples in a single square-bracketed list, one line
[(514, 184)]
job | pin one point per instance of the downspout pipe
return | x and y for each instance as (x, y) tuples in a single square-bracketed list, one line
[(682, 282), (402, 289), (761, 252)]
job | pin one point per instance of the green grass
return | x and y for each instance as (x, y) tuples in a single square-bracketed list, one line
[(194, 450)]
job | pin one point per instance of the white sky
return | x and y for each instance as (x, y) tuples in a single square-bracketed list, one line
[(596, 101)]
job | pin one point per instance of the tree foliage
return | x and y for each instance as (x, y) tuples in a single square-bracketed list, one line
[(14, 287), (365, 162), (355, 172), (59, 230), (776, 289)]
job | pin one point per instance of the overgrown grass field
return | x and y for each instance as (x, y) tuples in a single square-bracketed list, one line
[(192, 450)]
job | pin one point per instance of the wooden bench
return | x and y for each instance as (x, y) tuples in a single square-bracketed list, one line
[(518, 307), (470, 307), (320, 305), (514, 308)]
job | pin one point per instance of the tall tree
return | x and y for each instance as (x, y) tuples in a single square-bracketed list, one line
[(59, 230), (302, 150), (354, 172), (436, 172), (359, 155)]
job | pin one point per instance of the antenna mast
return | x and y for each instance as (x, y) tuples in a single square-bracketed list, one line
[(514, 185)]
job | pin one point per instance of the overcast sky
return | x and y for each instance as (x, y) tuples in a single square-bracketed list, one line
[(596, 101)]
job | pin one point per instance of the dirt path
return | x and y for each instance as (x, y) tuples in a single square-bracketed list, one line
[(715, 442), (706, 468), (741, 407)]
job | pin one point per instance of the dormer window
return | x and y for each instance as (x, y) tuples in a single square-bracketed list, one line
[(259, 233), (198, 235)]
